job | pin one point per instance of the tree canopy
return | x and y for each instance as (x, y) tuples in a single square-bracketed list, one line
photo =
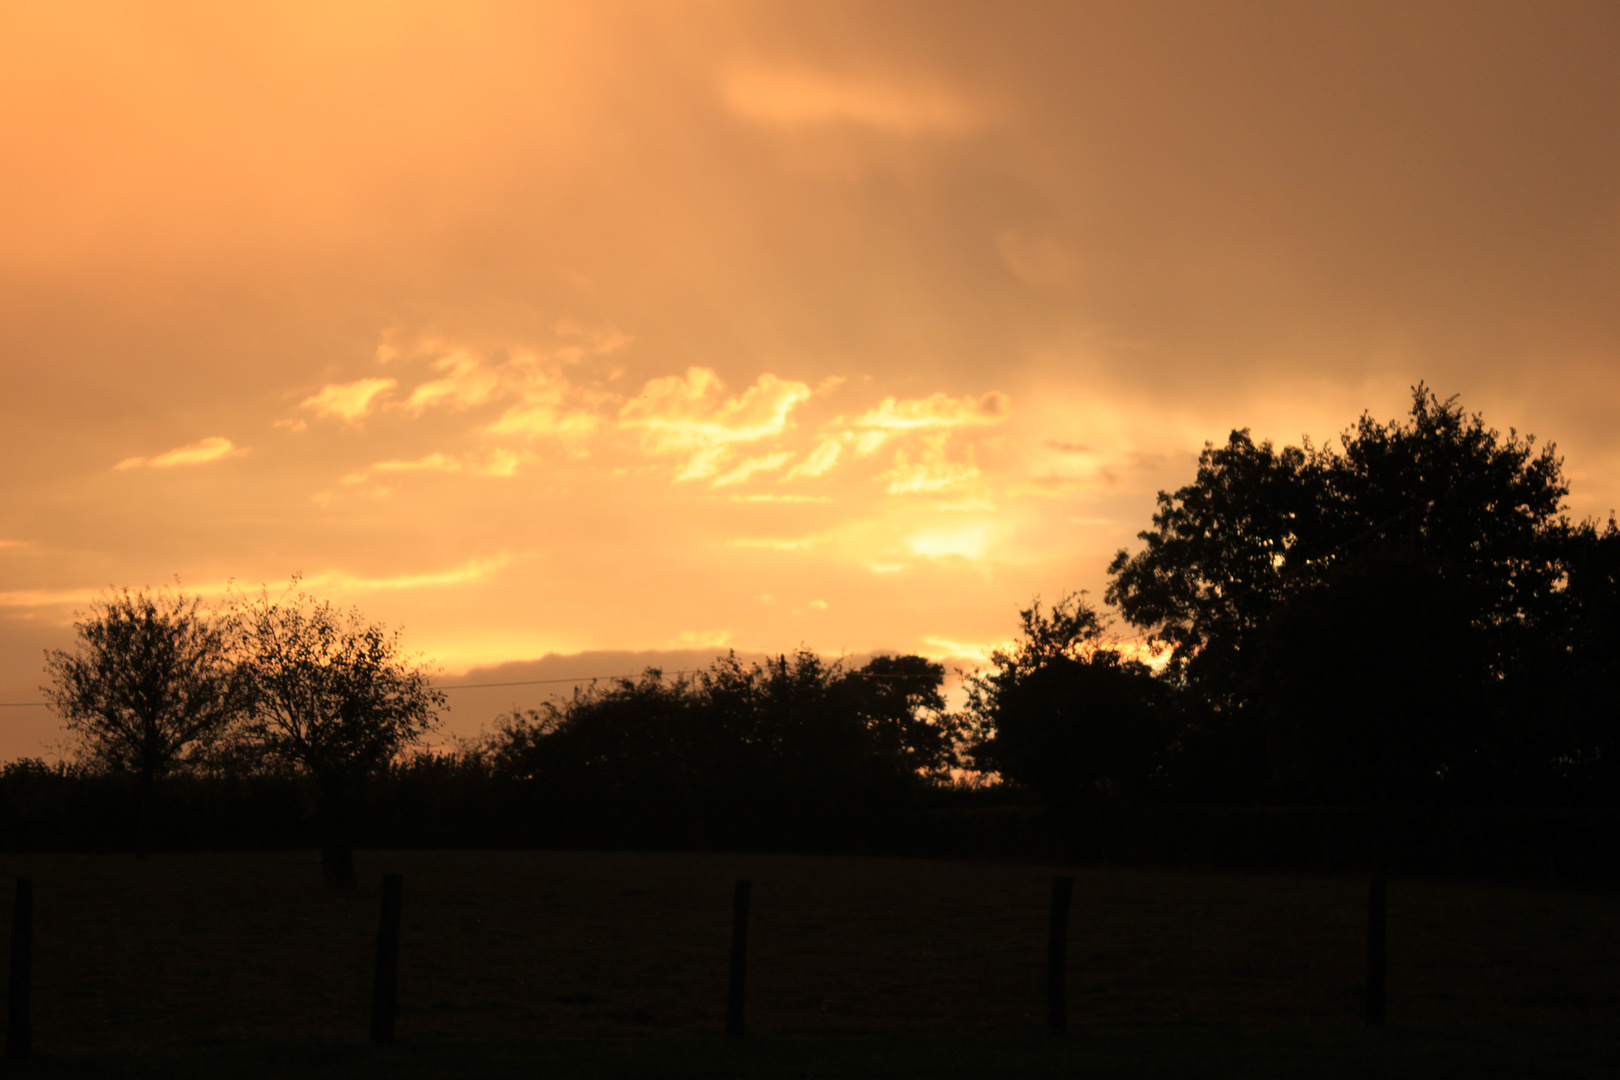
[(332, 694), (1260, 526), (152, 680), (1372, 616), (1065, 713)]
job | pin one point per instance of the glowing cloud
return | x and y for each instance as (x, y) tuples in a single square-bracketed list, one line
[(46, 597), (201, 452), (935, 411), (351, 402), (467, 382), (470, 571), (692, 415), (703, 464), (821, 459), (546, 413), (497, 463), (754, 465), (796, 98), (932, 472)]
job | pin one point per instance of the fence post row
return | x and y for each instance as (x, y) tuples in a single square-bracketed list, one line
[(1376, 1000), (19, 1028), (739, 959), (385, 984), (385, 980)]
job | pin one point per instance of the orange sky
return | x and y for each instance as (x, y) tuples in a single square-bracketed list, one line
[(657, 328)]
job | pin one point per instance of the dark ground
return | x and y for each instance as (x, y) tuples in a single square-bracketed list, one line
[(613, 964)]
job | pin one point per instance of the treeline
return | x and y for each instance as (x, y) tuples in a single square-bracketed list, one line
[(797, 753), (1404, 627), (1406, 618)]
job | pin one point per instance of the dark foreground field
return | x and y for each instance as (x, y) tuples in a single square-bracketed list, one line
[(578, 964)]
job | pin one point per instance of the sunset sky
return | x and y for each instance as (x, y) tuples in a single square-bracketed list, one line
[(646, 330)]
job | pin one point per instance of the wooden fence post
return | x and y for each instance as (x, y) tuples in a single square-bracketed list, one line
[(385, 978), (1057, 954), (1376, 1000), (739, 959), (19, 1027)]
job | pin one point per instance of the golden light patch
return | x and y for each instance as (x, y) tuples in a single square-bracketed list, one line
[(945, 649), (350, 402), (202, 452), (962, 541)]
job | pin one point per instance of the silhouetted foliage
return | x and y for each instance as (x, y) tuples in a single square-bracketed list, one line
[(1330, 603), (1259, 526), (151, 681), (1066, 714), (1373, 686), (794, 751), (332, 695), (1578, 672)]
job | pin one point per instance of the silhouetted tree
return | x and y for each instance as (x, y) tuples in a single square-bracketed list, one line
[(901, 705), (1066, 714), (1248, 571), (1259, 526), (333, 696), (152, 680)]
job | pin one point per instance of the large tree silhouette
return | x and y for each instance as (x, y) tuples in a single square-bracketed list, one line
[(1281, 579), (334, 696), (151, 681)]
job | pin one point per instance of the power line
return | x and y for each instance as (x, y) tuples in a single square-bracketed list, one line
[(535, 682)]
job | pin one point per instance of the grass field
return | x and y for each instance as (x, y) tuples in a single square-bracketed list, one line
[(561, 963)]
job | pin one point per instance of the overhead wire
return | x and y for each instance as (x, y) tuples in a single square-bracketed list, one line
[(545, 682)]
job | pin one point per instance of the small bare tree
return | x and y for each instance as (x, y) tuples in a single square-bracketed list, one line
[(151, 682), (333, 696)]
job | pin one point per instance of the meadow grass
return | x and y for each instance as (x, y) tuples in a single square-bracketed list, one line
[(580, 963)]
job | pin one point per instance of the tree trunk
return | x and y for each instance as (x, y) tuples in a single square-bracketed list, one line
[(143, 797), (335, 836)]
